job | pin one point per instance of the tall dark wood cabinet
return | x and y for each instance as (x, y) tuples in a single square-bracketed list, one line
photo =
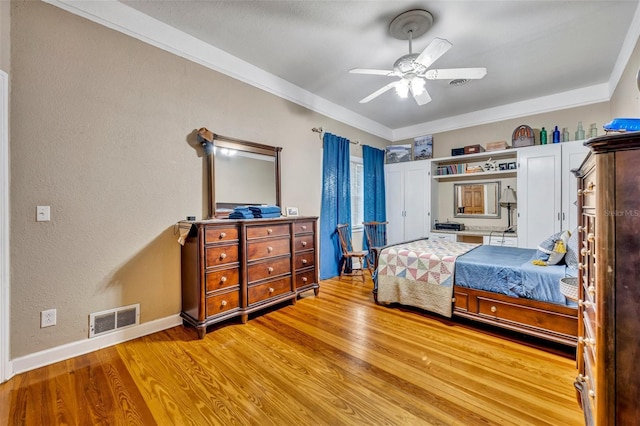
[(232, 268), (609, 272)]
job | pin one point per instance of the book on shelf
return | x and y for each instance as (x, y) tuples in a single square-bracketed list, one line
[(451, 169)]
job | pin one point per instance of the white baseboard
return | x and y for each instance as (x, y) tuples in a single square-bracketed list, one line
[(81, 347)]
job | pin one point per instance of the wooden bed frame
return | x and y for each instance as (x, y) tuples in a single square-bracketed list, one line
[(549, 321)]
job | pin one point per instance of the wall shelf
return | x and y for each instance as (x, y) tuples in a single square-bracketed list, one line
[(479, 175)]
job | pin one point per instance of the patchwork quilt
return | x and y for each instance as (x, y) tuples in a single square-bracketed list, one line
[(420, 273)]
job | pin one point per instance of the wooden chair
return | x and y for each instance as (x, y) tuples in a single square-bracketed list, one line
[(376, 234), (348, 254)]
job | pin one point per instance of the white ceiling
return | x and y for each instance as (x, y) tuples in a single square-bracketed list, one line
[(539, 55)]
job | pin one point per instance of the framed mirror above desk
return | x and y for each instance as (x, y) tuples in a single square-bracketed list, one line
[(476, 200)]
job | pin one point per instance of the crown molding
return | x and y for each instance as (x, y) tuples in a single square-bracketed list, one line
[(124, 19)]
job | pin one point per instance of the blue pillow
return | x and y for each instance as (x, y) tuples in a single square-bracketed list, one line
[(546, 251), (571, 258)]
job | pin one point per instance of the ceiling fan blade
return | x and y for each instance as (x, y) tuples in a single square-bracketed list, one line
[(433, 51), (455, 73), (379, 92), (421, 98), (374, 72)]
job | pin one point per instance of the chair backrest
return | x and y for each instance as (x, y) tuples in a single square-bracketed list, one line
[(345, 237), (376, 233)]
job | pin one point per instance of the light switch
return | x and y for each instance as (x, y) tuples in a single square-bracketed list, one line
[(43, 213)]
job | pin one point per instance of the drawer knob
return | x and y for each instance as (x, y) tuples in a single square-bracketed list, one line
[(270, 269), (304, 244), (581, 228), (304, 261), (271, 289), (223, 255), (584, 303), (223, 303), (304, 279), (585, 252), (223, 234), (269, 231), (591, 237), (591, 290), (582, 266), (223, 279), (592, 393), (269, 249), (579, 192), (494, 309), (590, 186), (304, 227)]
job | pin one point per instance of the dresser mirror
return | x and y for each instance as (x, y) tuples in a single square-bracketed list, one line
[(476, 200), (245, 173)]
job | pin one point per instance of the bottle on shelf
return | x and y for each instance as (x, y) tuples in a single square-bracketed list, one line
[(580, 132), (593, 131), (543, 136), (565, 134), (556, 135)]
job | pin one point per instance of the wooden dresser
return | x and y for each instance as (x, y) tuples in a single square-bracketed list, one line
[(609, 308), (232, 268)]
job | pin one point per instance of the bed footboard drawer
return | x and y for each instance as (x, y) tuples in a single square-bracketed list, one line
[(528, 316)]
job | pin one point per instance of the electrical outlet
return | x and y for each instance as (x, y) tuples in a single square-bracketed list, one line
[(47, 318), (43, 213)]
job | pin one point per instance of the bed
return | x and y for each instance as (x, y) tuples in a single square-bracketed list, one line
[(494, 285)]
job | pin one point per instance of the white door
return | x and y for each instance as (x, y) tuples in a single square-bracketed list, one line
[(394, 198), (417, 199), (539, 180), (573, 154)]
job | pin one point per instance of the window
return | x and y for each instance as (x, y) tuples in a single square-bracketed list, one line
[(357, 196)]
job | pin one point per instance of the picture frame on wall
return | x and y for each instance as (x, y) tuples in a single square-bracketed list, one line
[(397, 153), (423, 147)]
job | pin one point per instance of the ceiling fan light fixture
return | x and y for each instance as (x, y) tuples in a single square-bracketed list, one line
[(417, 86), (402, 88)]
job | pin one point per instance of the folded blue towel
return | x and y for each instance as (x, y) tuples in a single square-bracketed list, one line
[(264, 215), (265, 209), (240, 215)]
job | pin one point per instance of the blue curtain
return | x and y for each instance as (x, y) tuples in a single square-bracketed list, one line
[(336, 201), (373, 185)]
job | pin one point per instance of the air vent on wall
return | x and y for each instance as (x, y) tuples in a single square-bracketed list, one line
[(113, 319)]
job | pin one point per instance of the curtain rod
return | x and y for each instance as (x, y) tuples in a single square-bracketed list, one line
[(320, 131)]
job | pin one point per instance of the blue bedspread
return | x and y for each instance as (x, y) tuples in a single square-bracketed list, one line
[(509, 271)]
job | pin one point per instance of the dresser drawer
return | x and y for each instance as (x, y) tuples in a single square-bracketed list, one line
[(304, 260), (496, 240), (304, 242), (528, 316), (262, 292), (442, 237), (217, 235), (220, 255), (219, 303), (268, 248), (305, 278), (262, 231), (302, 227), (223, 278), (268, 268), (588, 190)]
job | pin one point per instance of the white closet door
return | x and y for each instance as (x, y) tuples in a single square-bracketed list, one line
[(394, 198), (416, 200), (573, 153), (538, 196)]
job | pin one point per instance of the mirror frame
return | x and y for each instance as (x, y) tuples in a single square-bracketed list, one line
[(240, 145), (476, 216)]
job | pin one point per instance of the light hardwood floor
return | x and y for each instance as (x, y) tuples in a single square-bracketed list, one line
[(335, 359)]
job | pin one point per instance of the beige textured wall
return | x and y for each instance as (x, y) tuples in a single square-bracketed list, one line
[(101, 125), (5, 35), (625, 101)]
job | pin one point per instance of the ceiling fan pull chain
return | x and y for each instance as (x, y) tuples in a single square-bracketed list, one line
[(410, 42)]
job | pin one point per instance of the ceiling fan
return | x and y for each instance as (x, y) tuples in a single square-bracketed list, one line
[(413, 68)]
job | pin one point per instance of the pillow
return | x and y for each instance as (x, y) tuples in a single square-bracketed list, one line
[(571, 258), (553, 249)]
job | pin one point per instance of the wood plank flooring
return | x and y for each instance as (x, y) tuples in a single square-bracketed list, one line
[(335, 359)]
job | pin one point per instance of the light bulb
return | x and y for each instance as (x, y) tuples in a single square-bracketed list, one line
[(402, 88), (417, 86)]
